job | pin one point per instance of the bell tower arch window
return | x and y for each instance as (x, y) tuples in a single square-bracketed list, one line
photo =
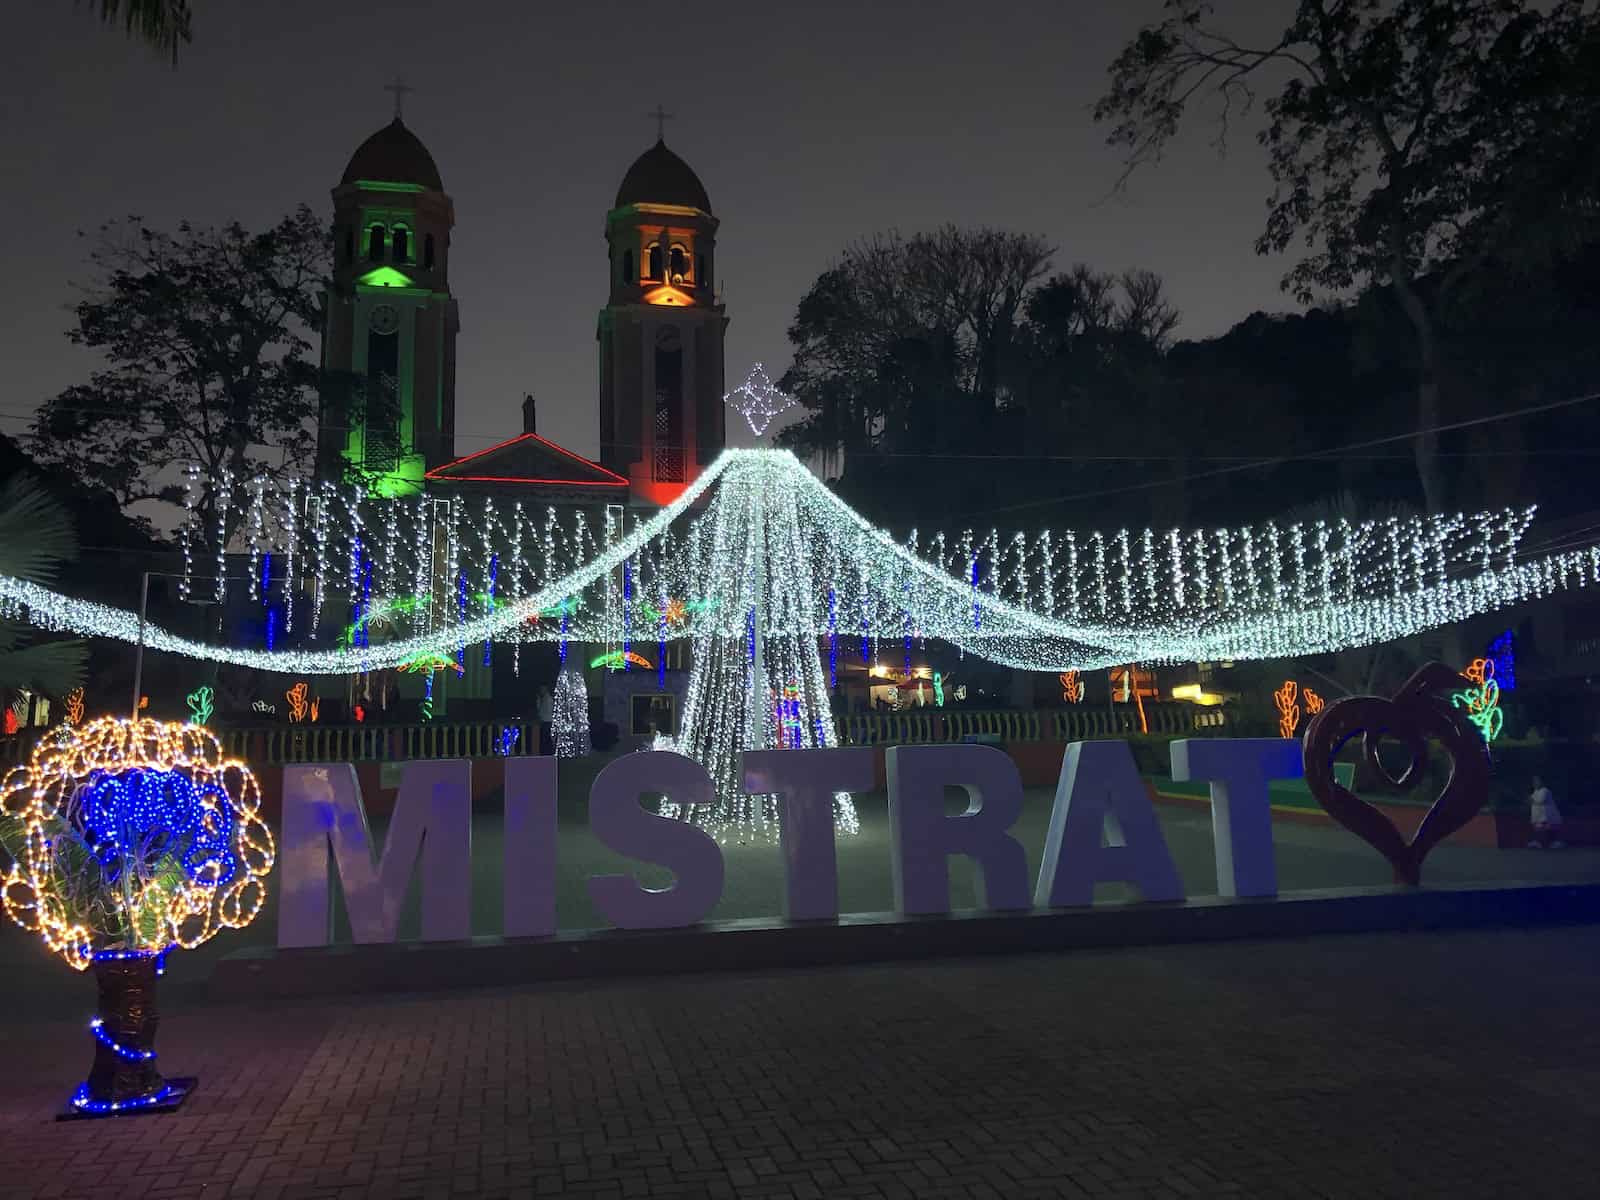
[(680, 264), (400, 241), (655, 261), (427, 251), (627, 266), (375, 239)]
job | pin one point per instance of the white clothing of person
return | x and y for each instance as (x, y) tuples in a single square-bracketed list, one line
[(1544, 810)]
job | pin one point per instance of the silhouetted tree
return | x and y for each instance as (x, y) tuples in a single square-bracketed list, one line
[(1414, 144), (207, 335)]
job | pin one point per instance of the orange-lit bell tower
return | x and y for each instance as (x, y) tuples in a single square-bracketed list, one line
[(661, 331)]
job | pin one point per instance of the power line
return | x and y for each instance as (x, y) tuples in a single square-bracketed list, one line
[(1288, 458)]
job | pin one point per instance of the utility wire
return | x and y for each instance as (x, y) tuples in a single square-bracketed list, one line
[(1288, 458)]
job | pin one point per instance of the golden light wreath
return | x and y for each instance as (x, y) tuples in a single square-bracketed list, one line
[(134, 881)]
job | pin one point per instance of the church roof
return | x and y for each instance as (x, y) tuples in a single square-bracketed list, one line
[(658, 176), (394, 155), (529, 460)]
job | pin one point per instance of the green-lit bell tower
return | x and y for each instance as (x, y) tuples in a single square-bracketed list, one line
[(389, 321)]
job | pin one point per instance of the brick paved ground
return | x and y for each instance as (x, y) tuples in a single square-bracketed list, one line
[(1396, 1065)]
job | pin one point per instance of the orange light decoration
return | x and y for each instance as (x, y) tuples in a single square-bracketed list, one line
[(10, 723), (1314, 703), (316, 709), (296, 696), (677, 612), (1071, 687), (1135, 685), (74, 705), (144, 703), (1482, 700), (668, 295), (359, 713), (47, 891), (1288, 710)]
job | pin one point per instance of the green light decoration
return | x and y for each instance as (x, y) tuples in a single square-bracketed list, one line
[(200, 703), (383, 612), (427, 664), (677, 611), (938, 689), (617, 658), (1482, 699), (406, 479), (383, 185), (386, 277), (567, 608)]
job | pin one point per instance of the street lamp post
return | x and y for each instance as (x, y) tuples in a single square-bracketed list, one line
[(138, 647)]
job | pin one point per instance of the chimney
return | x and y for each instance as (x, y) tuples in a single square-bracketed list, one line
[(528, 421)]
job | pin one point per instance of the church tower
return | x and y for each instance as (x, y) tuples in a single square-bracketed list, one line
[(661, 331), (390, 322)]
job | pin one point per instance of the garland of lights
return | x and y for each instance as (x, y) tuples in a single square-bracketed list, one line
[(1058, 601)]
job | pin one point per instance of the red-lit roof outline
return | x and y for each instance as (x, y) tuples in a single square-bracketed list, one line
[(437, 473)]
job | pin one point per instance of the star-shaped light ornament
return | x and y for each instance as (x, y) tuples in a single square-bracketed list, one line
[(757, 400)]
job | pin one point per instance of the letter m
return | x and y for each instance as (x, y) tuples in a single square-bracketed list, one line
[(324, 819)]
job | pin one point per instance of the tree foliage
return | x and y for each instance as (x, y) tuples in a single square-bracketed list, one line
[(1416, 145), (207, 338), (161, 24), (36, 537), (956, 354)]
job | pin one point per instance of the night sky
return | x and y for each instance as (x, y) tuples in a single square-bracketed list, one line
[(810, 125)]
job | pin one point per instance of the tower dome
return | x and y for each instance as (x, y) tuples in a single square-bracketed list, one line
[(394, 155), (658, 176)]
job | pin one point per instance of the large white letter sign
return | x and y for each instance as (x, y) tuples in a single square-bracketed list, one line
[(1241, 807), (806, 781), (432, 813), (622, 825), (530, 851), (921, 837), (1099, 780)]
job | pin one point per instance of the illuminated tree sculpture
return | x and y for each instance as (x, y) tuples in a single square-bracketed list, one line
[(569, 715), (128, 840)]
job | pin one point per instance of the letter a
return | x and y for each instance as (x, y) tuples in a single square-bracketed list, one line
[(1098, 781)]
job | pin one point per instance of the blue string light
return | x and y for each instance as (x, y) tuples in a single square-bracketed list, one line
[(82, 1102), (125, 955), (494, 579), (266, 573), (272, 627), (977, 612), (127, 1053), (137, 816), (1502, 653), (366, 602), (627, 612), (461, 612)]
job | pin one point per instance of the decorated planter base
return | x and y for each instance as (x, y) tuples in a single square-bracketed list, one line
[(124, 1078)]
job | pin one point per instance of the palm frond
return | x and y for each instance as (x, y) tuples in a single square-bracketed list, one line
[(36, 533), (54, 668), (161, 24)]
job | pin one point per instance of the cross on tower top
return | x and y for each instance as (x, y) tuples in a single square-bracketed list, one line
[(399, 88), (661, 118)]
